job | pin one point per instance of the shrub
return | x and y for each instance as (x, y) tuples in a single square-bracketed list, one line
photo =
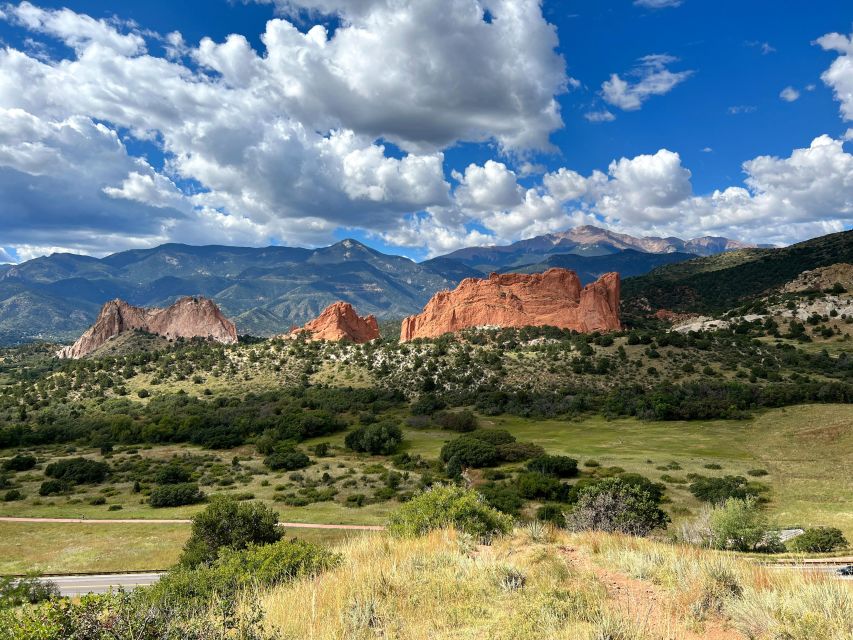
[(467, 451), (172, 473), (426, 405), (819, 540), (534, 485), (718, 490), (552, 513), (54, 488), (443, 506), (462, 421), (518, 451), (502, 496), (13, 495), (613, 505), (228, 523), (20, 462), (29, 590), (654, 489), (559, 466), (287, 459), (740, 525), (175, 495), (757, 473), (78, 471), (494, 437), (235, 570), (381, 438)]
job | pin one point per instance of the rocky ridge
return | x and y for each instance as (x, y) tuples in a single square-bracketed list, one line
[(340, 321), (191, 317), (822, 278), (553, 298)]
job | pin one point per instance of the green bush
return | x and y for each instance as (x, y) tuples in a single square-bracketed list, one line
[(13, 495), (502, 496), (175, 495), (819, 540), (236, 570), (535, 486), (654, 489), (518, 451), (229, 523), (15, 592), (462, 421), (467, 451), (494, 437), (54, 488), (381, 438), (741, 525), (443, 506), (718, 490), (559, 466), (172, 473), (552, 513), (613, 505), (287, 459), (78, 471), (21, 462)]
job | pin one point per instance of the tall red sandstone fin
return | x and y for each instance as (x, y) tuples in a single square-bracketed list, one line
[(339, 321), (553, 298), (191, 317)]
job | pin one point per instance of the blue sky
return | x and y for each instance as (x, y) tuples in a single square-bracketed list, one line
[(417, 134)]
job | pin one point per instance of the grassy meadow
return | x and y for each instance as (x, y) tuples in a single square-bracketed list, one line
[(806, 450)]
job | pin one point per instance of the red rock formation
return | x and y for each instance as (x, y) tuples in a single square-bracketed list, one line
[(339, 321), (552, 298), (187, 318)]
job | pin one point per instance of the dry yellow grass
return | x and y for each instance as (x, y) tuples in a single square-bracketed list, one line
[(545, 584)]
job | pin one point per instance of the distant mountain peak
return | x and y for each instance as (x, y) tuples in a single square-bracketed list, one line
[(592, 240)]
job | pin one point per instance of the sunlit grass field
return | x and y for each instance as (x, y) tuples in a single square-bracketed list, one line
[(806, 450)]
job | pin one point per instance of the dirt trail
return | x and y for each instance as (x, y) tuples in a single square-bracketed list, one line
[(651, 606)]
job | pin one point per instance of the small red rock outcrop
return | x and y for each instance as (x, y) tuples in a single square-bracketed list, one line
[(339, 321), (553, 298), (187, 318)]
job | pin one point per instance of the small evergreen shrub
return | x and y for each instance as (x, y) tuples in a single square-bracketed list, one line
[(229, 523), (819, 540), (54, 488), (21, 462), (78, 471), (233, 570), (175, 495), (381, 438), (467, 451), (287, 459), (559, 466), (443, 506)]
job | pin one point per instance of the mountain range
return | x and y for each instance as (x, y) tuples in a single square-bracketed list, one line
[(269, 290)]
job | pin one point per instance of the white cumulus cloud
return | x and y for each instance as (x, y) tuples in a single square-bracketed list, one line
[(281, 145), (789, 94), (839, 76), (651, 77)]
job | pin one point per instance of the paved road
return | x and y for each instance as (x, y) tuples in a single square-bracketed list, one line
[(288, 525), (81, 585), (830, 569)]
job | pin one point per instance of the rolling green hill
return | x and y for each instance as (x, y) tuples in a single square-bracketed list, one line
[(718, 283)]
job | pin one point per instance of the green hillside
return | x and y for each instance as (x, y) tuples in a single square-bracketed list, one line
[(718, 283)]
